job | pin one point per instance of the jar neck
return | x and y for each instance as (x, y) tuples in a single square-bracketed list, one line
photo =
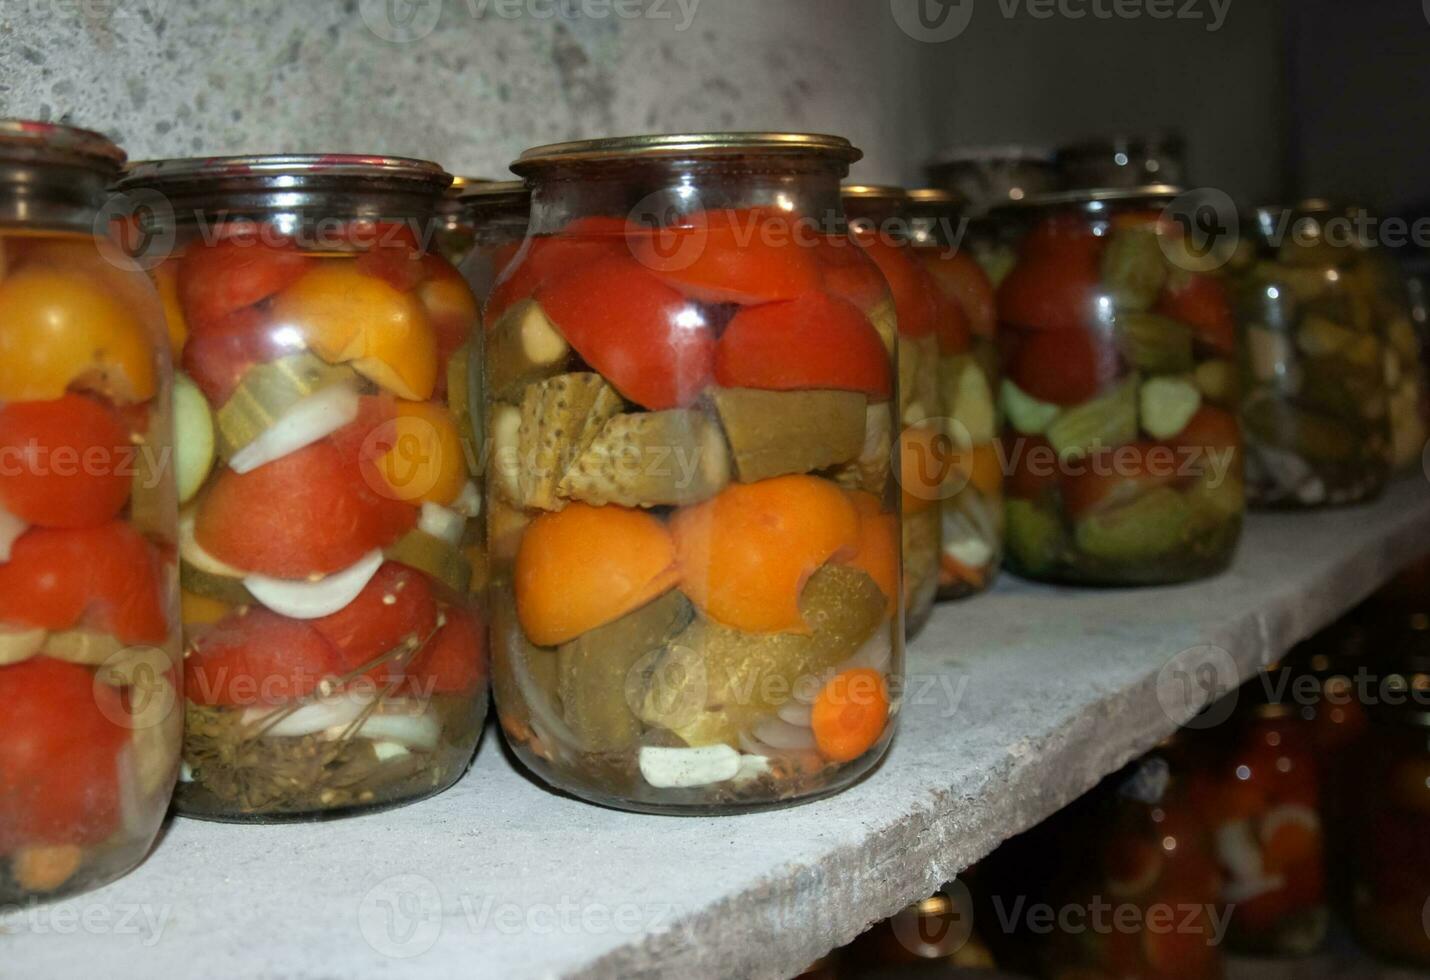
[(660, 193), (49, 195)]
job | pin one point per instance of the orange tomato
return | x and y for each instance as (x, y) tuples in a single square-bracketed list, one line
[(64, 463), (166, 280), (427, 461), (746, 554), (584, 567), (344, 316), (850, 714), (816, 341), (980, 467), (744, 256), (877, 553), (237, 272), (65, 329), (451, 307)]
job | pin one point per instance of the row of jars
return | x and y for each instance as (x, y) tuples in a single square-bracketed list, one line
[(709, 451)]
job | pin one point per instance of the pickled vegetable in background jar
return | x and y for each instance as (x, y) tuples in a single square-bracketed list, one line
[(928, 325), (693, 517), (988, 178), (326, 453), (1391, 853), (497, 211), (1124, 161), (1119, 397), (1151, 861), (972, 505), (1263, 804), (89, 649), (1316, 400)]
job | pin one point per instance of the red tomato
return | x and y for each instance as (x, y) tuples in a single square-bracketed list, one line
[(1213, 428), (1064, 367), (59, 772), (846, 272), (258, 657), (455, 661), (1058, 233), (1031, 464), (395, 605), (106, 578), (648, 340), (1053, 288), (816, 341), (238, 272), (910, 284), (544, 258), (65, 463), (964, 281), (218, 357), (311, 512), (1200, 301), (1115, 476), (390, 253), (951, 326), (745, 256)]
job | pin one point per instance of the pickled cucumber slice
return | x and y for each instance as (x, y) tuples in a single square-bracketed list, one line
[(1167, 405), (1216, 380), (560, 418), (1109, 420), (194, 441), (1034, 536), (19, 645), (464, 398), (1148, 527), (1154, 343), (714, 683), (871, 470), (523, 346), (1025, 413), (438, 559), (968, 399), (886, 321), (224, 588), (594, 672), (773, 433), (651, 459), (1315, 437), (1133, 269), (81, 646), (1213, 501), (268, 391)]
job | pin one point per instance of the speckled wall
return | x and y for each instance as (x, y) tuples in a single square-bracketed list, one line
[(478, 81)]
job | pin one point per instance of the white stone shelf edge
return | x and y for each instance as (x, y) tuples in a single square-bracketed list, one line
[(1017, 703)]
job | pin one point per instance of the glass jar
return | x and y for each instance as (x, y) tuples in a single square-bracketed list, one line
[(1151, 887), (693, 516), (496, 212), (89, 649), (1315, 408), (335, 653), (972, 504), (933, 937), (989, 176), (1264, 810), (1124, 161), (928, 326), (1391, 854), (1119, 397)]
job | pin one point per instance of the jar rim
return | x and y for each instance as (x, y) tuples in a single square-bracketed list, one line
[(874, 192), (34, 139), (469, 188), (1095, 195), (265, 168), (676, 145), (935, 195)]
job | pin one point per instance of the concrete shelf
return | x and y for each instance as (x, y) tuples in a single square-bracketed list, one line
[(1016, 703)]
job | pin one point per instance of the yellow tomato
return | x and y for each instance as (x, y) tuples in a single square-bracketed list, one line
[(60, 329), (345, 316), (426, 463), (166, 278), (200, 610)]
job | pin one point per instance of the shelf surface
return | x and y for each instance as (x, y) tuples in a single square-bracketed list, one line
[(1016, 703)]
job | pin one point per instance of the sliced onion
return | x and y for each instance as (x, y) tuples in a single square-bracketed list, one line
[(783, 735), (1237, 849), (469, 501), (11, 527), (20, 645), (796, 712), (679, 768), (338, 711), (1288, 813), (314, 599), (315, 417), (192, 552), (415, 731), (442, 523)]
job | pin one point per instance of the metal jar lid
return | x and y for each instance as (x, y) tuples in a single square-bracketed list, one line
[(673, 146), (54, 176), (1099, 195)]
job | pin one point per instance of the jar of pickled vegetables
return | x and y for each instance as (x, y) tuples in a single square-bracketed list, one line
[(1316, 399), (89, 645), (690, 377), (326, 458), (1119, 397), (1264, 809), (1153, 877), (1391, 854), (972, 505), (1124, 161), (929, 327), (496, 212)]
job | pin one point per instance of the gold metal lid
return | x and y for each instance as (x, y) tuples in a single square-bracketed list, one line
[(873, 192), (676, 145), (936, 904), (33, 140), (289, 169), (1097, 195), (466, 188), (935, 195)]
